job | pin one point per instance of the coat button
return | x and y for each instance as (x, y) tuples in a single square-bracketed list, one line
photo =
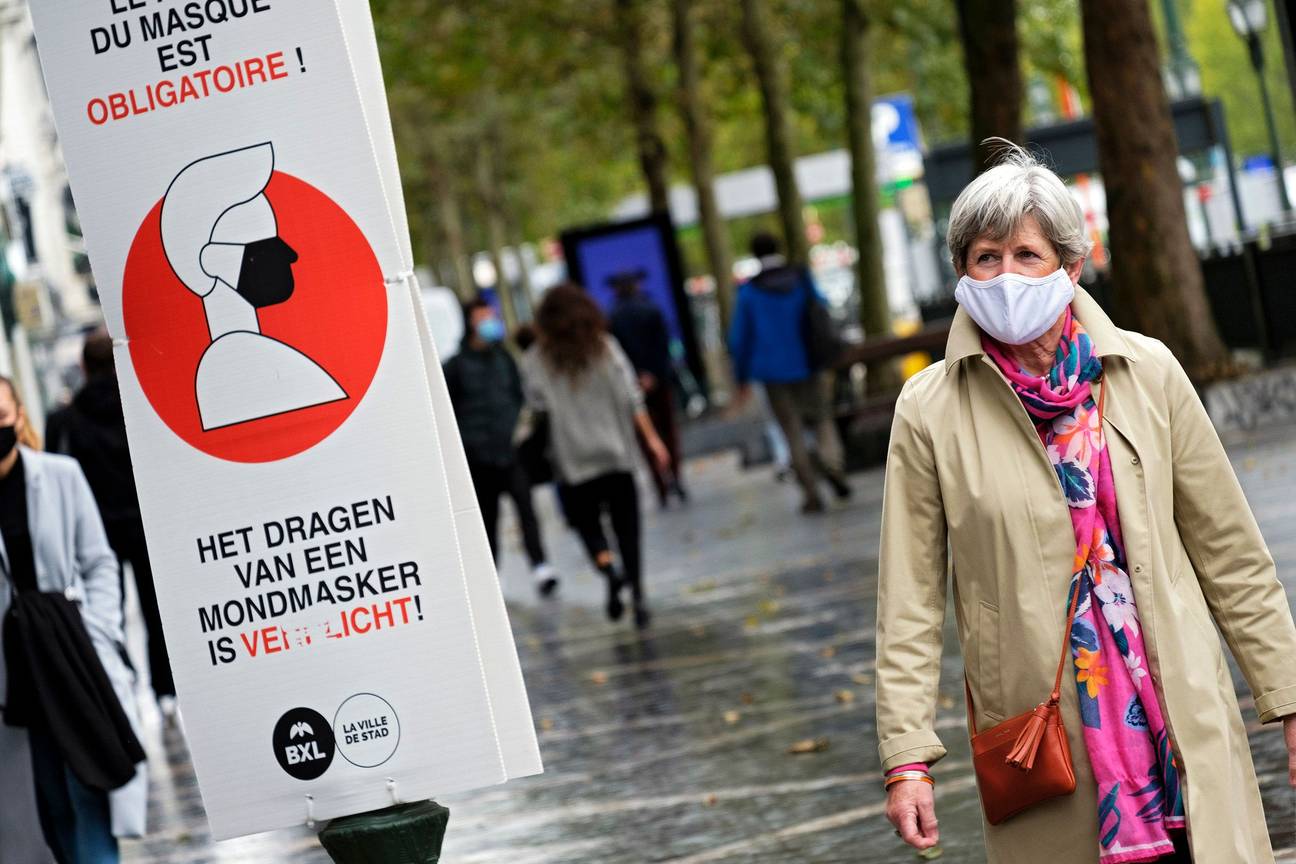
[(1134, 460), (1138, 568)]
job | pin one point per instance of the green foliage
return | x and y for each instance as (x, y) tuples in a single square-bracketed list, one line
[(1227, 73), (544, 80)]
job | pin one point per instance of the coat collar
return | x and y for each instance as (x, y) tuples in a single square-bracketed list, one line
[(33, 468), (965, 335)]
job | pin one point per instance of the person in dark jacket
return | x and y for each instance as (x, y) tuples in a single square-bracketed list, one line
[(486, 390), (767, 343), (640, 328), (92, 431)]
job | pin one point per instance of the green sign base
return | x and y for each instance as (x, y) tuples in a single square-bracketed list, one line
[(405, 834)]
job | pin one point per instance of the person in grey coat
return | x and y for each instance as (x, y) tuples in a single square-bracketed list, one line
[(59, 547)]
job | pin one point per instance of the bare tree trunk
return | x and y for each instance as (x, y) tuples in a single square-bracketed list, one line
[(778, 134), (642, 99), (451, 220), (1155, 270), (698, 129), (990, 56), (524, 275), (492, 206), (870, 277), (875, 311), (434, 263)]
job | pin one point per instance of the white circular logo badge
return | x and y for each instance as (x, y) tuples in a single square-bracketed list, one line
[(366, 730)]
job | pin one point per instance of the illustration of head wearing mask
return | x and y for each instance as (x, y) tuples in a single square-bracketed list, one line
[(222, 240)]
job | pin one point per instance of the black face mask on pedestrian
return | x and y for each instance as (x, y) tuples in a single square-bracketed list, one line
[(266, 277), (8, 439)]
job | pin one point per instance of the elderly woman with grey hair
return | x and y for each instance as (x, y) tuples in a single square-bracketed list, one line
[(1063, 469)]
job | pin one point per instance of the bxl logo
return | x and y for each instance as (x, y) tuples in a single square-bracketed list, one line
[(303, 743)]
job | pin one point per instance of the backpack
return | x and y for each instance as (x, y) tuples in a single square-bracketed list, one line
[(819, 332)]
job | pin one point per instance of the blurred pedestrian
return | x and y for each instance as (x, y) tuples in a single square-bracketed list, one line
[(1010, 456), (92, 430), (486, 390), (768, 342), (640, 328), (67, 688), (580, 379), (524, 336)]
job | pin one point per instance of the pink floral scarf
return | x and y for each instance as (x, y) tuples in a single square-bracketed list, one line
[(1139, 799)]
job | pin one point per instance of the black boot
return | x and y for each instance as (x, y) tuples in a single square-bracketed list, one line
[(642, 617), (615, 608)]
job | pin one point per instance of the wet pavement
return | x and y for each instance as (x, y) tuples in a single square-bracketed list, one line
[(674, 745)]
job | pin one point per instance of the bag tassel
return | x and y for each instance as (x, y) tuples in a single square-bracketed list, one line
[(1027, 745)]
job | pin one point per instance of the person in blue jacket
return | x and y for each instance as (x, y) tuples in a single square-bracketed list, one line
[(767, 343)]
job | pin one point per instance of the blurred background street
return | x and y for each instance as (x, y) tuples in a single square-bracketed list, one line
[(662, 176), (673, 745)]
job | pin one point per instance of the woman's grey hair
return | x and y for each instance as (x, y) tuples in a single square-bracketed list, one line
[(996, 202)]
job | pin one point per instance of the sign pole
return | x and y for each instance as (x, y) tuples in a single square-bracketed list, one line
[(404, 834)]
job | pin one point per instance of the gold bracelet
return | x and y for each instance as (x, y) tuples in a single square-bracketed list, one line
[(901, 776)]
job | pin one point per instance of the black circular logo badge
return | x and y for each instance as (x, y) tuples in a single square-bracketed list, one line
[(303, 743)]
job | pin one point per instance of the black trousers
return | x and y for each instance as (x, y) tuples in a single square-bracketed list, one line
[(660, 404), (616, 495), (127, 540), (492, 481)]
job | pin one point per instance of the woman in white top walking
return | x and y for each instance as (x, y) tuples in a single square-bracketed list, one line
[(577, 375)]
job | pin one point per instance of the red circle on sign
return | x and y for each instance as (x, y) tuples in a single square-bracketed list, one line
[(336, 317)]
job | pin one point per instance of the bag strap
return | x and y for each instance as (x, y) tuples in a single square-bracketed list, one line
[(1056, 693)]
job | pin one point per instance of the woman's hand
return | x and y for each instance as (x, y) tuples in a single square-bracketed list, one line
[(911, 808), (656, 449), (660, 455), (1289, 732)]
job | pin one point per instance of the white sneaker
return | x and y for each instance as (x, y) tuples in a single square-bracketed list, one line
[(546, 579)]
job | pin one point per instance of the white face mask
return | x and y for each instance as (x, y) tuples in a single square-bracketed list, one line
[(1016, 309)]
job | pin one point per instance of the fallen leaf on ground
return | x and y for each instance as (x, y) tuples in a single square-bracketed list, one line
[(546, 724), (732, 717), (931, 854), (711, 800), (746, 698), (845, 696), (769, 607), (945, 702), (751, 622), (828, 653), (598, 677), (809, 745), (862, 678), (698, 631)]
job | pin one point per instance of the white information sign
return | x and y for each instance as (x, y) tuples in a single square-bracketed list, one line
[(331, 609)]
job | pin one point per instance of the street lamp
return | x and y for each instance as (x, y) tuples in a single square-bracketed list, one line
[(1249, 18)]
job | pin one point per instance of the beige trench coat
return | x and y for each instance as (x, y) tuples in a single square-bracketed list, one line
[(966, 474)]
